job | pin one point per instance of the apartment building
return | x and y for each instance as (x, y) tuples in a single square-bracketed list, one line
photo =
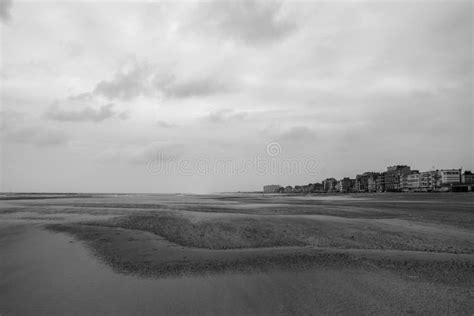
[(272, 188), (409, 181), (393, 176), (329, 184), (467, 177), (380, 183), (413, 181), (345, 185), (428, 180), (449, 176)]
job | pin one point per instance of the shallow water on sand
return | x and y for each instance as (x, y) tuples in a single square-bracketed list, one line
[(44, 273), (47, 273)]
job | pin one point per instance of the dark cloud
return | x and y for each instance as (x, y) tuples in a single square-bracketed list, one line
[(127, 85), (5, 8), (83, 115), (253, 22)]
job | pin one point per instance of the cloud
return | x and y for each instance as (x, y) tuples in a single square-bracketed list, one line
[(165, 124), (225, 115), (73, 49), (5, 8), (254, 22), (156, 152), (297, 133), (109, 155), (37, 135), (18, 127), (128, 84), (83, 115), (10, 118), (337, 80), (124, 115), (147, 80), (194, 88), (86, 96)]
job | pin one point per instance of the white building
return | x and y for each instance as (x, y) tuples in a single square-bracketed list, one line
[(449, 176), (413, 181)]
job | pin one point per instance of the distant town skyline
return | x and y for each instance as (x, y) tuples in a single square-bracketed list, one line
[(397, 178), (92, 92)]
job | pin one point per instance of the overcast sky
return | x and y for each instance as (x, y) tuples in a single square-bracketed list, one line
[(100, 97)]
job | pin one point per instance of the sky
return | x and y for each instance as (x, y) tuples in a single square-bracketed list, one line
[(199, 97)]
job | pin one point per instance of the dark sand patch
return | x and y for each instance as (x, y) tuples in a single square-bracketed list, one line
[(148, 255), (235, 232)]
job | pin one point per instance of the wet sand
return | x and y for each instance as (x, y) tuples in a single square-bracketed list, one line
[(85, 256)]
